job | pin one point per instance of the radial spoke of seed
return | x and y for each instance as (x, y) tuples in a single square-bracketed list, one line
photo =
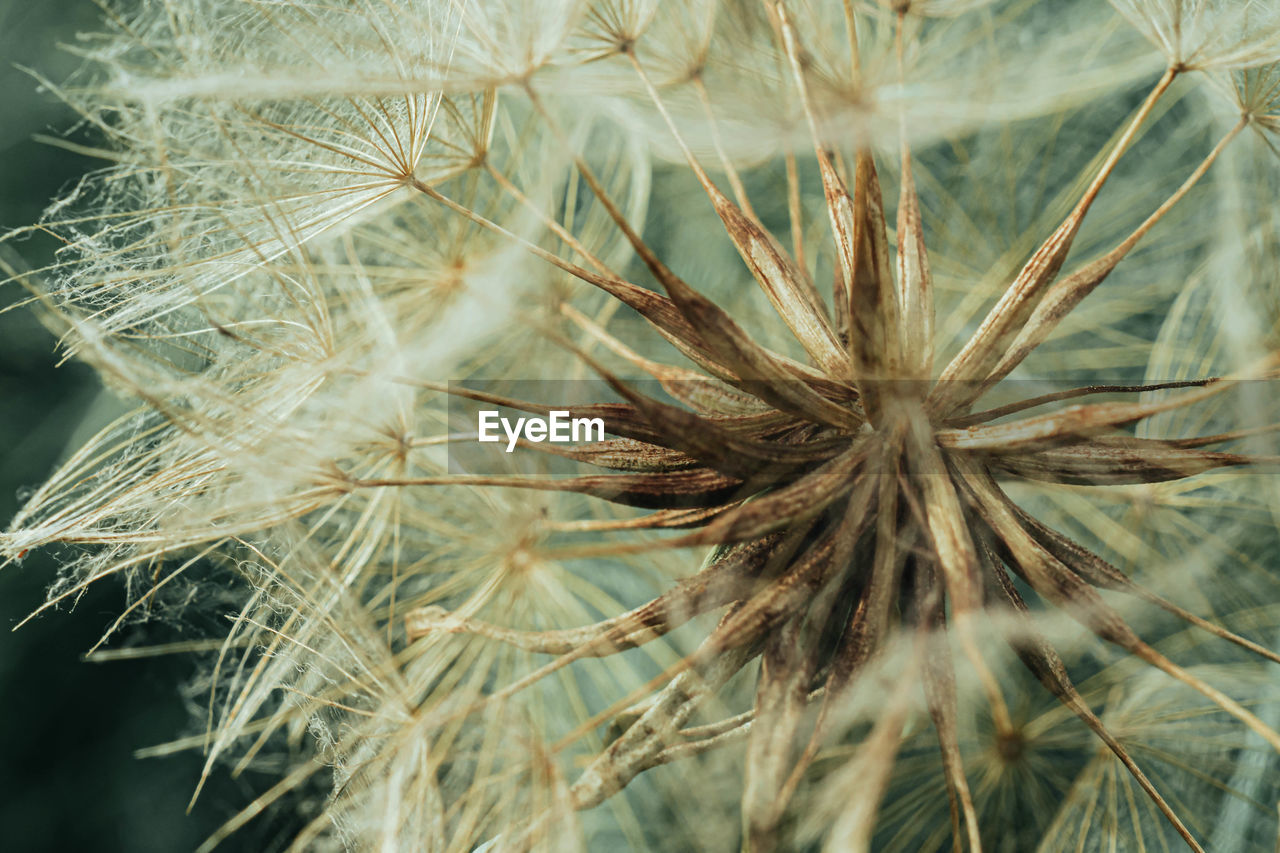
[(700, 392), (866, 776), (960, 380), (1056, 582), (1117, 460), (793, 296), (915, 284), (661, 312), (734, 576), (618, 454), (940, 695), (1101, 573), (739, 456), (957, 559), (644, 739), (1043, 661), (786, 669), (686, 298), (858, 225), (800, 500), (869, 623), (987, 415), (661, 519), (1075, 423), (693, 488), (1066, 294), (735, 182)]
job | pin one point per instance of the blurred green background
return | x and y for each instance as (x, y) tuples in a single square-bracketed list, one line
[(69, 779)]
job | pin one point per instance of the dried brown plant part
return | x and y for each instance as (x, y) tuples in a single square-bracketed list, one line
[(1072, 393), (763, 609), (734, 642), (660, 311), (1102, 574), (921, 482), (727, 353), (781, 280), (699, 486), (782, 696), (1073, 423), (663, 518), (1118, 460), (702, 438), (1041, 658), (982, 352), (793, 295), (915, 280), (956, 556), (786, 669), (858, 225), (1066, 293), (871, 767), (940, 694), (618, 454), (1058, 583), (708, 396), (869, 626)]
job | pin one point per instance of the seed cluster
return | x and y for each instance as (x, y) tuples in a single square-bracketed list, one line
[(854, 496)]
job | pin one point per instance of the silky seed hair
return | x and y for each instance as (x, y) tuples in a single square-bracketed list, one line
[(948, 528)]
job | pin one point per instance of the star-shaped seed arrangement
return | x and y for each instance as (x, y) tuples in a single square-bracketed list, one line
[(855, 496), (269, 265)]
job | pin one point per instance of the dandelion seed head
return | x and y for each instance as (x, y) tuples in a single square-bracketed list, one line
[(1208, 34), (953, 297)]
